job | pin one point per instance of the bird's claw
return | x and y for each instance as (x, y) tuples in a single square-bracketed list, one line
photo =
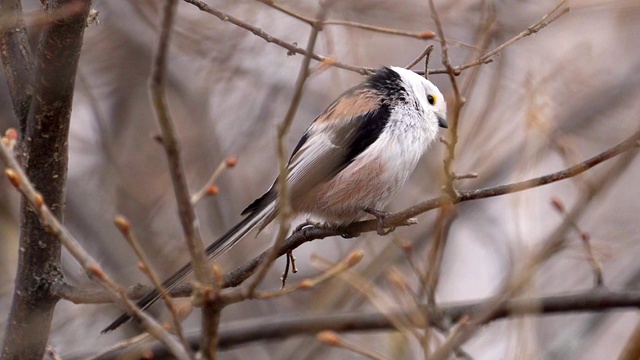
[(380, 215)]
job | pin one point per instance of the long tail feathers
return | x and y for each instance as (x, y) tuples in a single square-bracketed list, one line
[(217, 248)]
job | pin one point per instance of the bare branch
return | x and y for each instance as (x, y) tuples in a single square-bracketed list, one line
[(272, 39), (17, 59), (277, 327), (486, 58), (423, 35), (186, 212), (145, 266), (170, 143), (44, 122), (209, 187), (333, 339), (526, 269)]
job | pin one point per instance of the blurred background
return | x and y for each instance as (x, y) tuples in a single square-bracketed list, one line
[(548, 101)]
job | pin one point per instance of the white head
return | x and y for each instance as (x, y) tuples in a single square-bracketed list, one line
[(429, 96)]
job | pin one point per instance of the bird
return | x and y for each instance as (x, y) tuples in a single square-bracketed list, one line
[(350, 162)]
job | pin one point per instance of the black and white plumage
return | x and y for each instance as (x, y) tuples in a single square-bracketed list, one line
[(356, 155)]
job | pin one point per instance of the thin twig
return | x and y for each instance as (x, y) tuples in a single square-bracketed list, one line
[(333, 339), (436, 253), (187, 216), (209, 187), (423, 35), (119, 346), (172, 148), (291, 48), (425, 54), (145, 265), (596, 267), (486, 58), (53, 354), (546, 20), (376, 297), (454, 109), (293, 14), (526, 269), (294, 49)]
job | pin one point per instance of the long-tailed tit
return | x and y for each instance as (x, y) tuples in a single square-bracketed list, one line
[(351, 161)]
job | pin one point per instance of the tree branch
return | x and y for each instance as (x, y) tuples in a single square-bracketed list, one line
[(277, 327), (186, 212), (17, 59), (45, 155)]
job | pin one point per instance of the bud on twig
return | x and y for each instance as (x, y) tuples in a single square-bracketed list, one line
[(231, 161), (329, 337), (122, 224), (13, 177)]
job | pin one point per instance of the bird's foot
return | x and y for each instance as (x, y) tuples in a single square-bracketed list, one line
[(291, 263), (380, 215), (324, 225), (306, 223)]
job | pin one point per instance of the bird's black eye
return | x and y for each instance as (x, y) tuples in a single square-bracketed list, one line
[(431, 99)]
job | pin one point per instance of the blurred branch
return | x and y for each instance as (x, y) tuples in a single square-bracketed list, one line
[(294, 49), (293, 14), (631, 350), (119, 346), (431, 275), (629, 144), (331, 338), (525, 270), (351, 260), (17, 59), (381, 300), (423, 35), (585, 237), (272, 39), (279, 327), (547, 19), (209, 187)]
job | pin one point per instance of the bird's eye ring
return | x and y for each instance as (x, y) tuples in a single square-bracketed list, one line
[(431, 99)]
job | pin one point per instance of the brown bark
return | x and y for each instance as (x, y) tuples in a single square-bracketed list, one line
[(44, 155)]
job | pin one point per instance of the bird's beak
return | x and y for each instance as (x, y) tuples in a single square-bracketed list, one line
[(442, 121)]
